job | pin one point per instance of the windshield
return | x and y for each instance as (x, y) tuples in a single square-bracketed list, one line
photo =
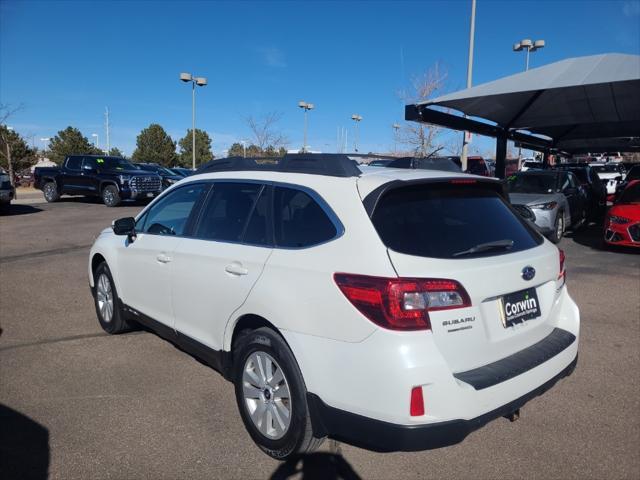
[(114, 163), (631, 194), (532, 183)]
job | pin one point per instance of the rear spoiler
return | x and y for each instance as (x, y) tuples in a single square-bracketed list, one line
[(499, 186)]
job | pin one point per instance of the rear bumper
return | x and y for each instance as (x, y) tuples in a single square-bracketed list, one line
[(381, 436)]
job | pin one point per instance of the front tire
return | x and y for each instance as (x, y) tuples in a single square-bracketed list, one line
[(271, 395), (50, 191), (558, 228), (107, 302), (111, 196)]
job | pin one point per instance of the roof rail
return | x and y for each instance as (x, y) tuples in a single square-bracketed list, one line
[(330, 164)]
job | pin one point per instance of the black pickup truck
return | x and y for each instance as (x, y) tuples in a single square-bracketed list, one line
[(111, 178)]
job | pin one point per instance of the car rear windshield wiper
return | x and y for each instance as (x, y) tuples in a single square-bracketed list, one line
[(505, 244)]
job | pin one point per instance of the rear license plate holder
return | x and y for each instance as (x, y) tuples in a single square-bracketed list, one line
[(518, 307)]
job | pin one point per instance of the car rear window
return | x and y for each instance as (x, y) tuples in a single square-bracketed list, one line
[(441, 221)]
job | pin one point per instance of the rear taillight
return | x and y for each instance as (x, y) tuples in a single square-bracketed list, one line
[(563, 273), (401, 303)]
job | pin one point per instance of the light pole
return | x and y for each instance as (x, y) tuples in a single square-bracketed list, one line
[(356, 118), (45, 141), (395, 127), (472, 30), (201, 82), (529, 46), (97, 144), (244, 148), (306, 107)]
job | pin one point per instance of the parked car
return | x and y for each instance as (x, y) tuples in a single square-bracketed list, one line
[(556, 198), (622, 223), (183, 172), (113, 179), (529, 164), (477, 166), (593, 186), (611, 174), (426, 163), (632, 173), (7, 190), (168, 176), (345, 304)]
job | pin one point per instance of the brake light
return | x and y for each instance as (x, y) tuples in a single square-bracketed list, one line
[(416, 407), (401, 303), (563, 273)]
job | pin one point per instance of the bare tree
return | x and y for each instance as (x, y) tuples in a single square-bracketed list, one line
[(421, 138), (5, 136), (265, 131)]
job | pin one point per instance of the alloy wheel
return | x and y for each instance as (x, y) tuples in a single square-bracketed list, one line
[(104, 296), (267, 398)]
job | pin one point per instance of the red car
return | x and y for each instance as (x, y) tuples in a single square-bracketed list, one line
[(622, 223)]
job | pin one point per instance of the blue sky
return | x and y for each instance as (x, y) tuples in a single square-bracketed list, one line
[(66, 61)]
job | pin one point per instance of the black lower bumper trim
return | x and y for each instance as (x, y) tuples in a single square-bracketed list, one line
[(518, 363), (382, 436)]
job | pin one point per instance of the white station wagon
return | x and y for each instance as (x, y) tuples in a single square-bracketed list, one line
[(395, 310)]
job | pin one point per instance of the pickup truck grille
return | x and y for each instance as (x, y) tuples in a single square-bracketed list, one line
[(147, 183)]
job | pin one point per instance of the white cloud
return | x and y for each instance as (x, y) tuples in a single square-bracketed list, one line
[(272, 57)]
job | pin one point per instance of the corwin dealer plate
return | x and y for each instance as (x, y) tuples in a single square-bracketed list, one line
[(518, 307)]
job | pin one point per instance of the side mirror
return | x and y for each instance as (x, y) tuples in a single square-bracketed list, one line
[(124, 226)]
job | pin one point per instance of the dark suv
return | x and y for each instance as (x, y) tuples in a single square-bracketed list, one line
[(113, 179)]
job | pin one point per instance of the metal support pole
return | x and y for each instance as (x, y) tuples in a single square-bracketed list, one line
[(193, 122), (304, 145), (472, 28), (501, 154), (526, 67)]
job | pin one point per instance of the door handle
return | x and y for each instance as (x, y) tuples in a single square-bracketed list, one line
[(236, 268), (163, 258)]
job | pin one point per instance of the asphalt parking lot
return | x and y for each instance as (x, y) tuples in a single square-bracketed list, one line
[(77, 403)]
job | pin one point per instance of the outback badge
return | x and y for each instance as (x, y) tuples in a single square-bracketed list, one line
[(528, 272)]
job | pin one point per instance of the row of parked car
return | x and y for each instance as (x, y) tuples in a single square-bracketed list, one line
[(113, 179)]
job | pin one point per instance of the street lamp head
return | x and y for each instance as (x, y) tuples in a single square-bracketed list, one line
[(200, 81), (302, 104), (538, 44), (356, 117), (185, 77), (94, 134), (310, 106), (396, 126), (517, 47), (526, 43)]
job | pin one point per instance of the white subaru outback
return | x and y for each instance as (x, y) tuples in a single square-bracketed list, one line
[(394, 310)]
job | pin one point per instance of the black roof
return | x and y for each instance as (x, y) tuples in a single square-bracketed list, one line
[(330, 164)]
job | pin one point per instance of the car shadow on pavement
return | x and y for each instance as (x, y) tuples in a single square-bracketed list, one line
[(17, 209), (24, 446), (316, 466), (592, 236)]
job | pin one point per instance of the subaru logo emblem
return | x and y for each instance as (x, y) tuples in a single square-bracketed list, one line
[(528, 272)]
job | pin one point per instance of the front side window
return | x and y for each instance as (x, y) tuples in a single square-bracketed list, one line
[(171, 214), (74, 163), (224, 217), (299, 221)]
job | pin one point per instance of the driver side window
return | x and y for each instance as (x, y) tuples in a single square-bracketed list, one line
[(171, 214)]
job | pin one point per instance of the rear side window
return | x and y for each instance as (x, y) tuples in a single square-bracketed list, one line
[(442, 221), (299, 221), (227, 210)]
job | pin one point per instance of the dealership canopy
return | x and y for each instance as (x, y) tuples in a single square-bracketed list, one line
[(578, 105)]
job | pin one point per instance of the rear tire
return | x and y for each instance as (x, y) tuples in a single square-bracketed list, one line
[(268, 384), (50, 191), (111, 196), (558, 228), (107, 302)]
